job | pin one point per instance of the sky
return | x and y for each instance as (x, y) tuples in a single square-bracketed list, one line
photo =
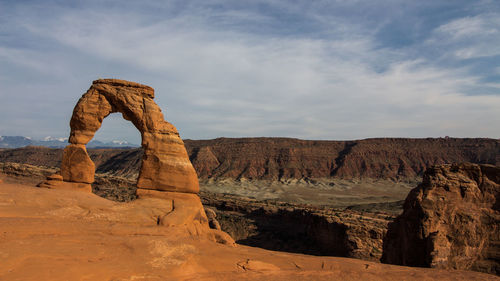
[(334, 69)]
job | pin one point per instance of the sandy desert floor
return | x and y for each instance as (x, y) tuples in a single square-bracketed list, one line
[(331, 192), (68, 235)]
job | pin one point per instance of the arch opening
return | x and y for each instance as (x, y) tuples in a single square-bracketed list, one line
[(117, 131), (116, 168)]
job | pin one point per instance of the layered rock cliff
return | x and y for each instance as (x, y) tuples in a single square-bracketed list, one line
[(279, 159), (284, 158), (451, 220)]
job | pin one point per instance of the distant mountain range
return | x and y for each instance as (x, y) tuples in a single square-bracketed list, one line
[(20, 141)]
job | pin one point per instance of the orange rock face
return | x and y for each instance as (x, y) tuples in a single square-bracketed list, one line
[(165, 164), (76, 164), (451, 220)]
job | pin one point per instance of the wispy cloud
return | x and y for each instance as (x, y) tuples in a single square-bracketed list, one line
[(471, 37)]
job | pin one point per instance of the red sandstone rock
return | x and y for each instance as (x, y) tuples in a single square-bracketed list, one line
[(55, 177), (187, 211), (253, 265), (48, 235), (451, 220), (65, 185), (165, 163), (76, 164)]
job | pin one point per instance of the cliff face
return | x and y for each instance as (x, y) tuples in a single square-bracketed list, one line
[(451, 220), (284, 158)]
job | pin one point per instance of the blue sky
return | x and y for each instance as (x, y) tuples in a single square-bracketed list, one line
[(305, 69)]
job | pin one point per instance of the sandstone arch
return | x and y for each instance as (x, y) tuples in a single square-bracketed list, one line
[(165, 164), (167, 182)]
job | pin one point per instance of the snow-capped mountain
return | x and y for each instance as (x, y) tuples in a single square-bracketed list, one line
[(54, 142), (113, 143), (14, 141), (49, 138)]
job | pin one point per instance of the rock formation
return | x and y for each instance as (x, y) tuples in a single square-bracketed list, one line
[(166, 171), (165, 163), (451, 220)]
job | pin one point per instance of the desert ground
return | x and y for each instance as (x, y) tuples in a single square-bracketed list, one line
[(328, 192)]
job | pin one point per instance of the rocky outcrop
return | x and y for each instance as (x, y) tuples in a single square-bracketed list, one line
[(451, 220)]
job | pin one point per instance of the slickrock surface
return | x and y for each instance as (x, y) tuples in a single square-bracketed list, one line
[(451, 220), (68, 235)]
